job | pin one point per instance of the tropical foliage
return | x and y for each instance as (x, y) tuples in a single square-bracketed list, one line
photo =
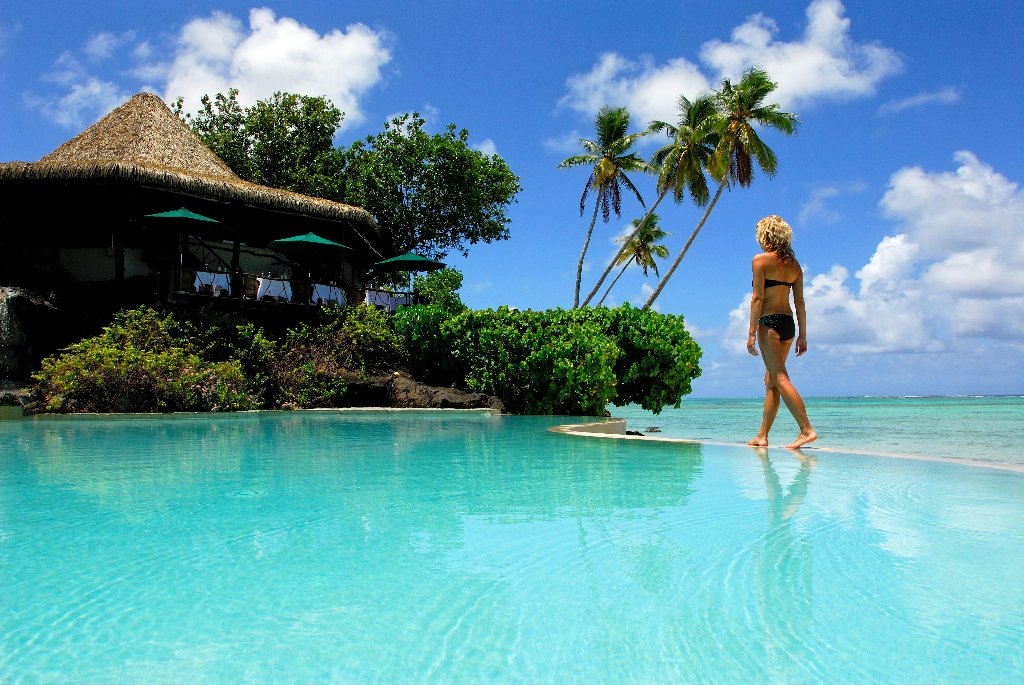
[(609, 159), (142, 362), (557, 361), (681, 163), (284, 142), (714, 136), (431, 193), (738, 146), (640, 247)]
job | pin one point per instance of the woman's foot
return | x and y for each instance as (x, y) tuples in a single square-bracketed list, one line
[(759, 441), (805, 437)]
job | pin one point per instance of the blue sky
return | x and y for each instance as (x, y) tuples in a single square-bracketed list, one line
[(902, 183)]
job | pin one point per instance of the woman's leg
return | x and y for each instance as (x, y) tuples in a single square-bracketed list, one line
[(771, 409), (774, 353)]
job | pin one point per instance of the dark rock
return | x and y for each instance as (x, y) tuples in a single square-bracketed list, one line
[(30, 329), (635, 433), (409, 393), (13, 394), (399, 390)]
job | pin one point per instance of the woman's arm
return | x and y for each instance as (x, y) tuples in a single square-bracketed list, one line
[(801, 315), (756, 301)]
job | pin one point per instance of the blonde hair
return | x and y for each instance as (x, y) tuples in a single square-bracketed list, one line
[(775, 235)]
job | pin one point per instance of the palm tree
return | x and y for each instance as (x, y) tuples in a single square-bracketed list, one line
[(739, 146), (640, 248), (610, 159), (680, 163)]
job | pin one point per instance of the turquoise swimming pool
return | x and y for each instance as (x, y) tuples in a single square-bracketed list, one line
[(442, 547)]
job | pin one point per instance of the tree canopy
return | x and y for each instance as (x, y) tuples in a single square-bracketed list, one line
[(284, 142), (430, 193)]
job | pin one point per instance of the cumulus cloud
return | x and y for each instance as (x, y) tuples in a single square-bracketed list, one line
[(651, 91), (945, 96), (211, 55), (824, 63), (271, 54), (952, 276)]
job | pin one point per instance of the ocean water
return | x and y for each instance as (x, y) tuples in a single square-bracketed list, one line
[(974, 428), (452, 547)]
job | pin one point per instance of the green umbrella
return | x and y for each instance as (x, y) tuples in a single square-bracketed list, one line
[(308, 247), (182, 213), (180, 218), (409, 261)]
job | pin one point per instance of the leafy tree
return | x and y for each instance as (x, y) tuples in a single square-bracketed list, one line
[(739, 147), (440, 288), (284, 142), (609, 159), (680, 163), (641, 247), (430, 193)]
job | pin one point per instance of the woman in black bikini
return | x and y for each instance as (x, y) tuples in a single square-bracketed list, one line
[(776, 272)]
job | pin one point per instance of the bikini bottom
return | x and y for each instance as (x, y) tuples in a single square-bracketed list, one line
[(782, 324)]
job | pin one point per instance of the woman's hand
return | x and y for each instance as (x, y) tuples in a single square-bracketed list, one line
[(801, 344), (751, 348)]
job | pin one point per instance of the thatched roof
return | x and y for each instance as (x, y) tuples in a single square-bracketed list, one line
[(143, 142)]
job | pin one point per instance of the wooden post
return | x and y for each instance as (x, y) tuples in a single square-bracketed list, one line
[(236, 273)]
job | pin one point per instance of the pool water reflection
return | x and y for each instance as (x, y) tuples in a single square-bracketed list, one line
[(425, 546)]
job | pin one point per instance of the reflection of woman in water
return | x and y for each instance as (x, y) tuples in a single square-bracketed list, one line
[(776, 272), (783, 573)]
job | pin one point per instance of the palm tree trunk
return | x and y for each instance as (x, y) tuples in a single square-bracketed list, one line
[(583, 254), (613, 283), (622, 250), (682, 253)]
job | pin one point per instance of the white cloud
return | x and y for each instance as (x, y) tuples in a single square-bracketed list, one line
[(650, 91), (825, 63), (816, 209), (276, 54), (487, 146), (972, 207), (7, 33), (950, 279), (103, 45), (81, 105), (946, 96), (563, 145)]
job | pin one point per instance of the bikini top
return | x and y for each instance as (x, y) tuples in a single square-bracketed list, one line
[(768, 283)]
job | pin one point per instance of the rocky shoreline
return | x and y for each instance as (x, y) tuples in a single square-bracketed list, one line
[(394, 390)]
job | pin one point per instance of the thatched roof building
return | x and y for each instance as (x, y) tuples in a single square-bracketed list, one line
[(90, 200), (143, 149)]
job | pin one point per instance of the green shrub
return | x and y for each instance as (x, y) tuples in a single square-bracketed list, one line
[(554, 362), (536, 362), (440, 288), (315, 357), (142, 362), (368, 339), (428, 349)]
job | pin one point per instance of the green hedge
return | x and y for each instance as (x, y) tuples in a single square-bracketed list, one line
[(140, 363), (554, 362), (557, 361)]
